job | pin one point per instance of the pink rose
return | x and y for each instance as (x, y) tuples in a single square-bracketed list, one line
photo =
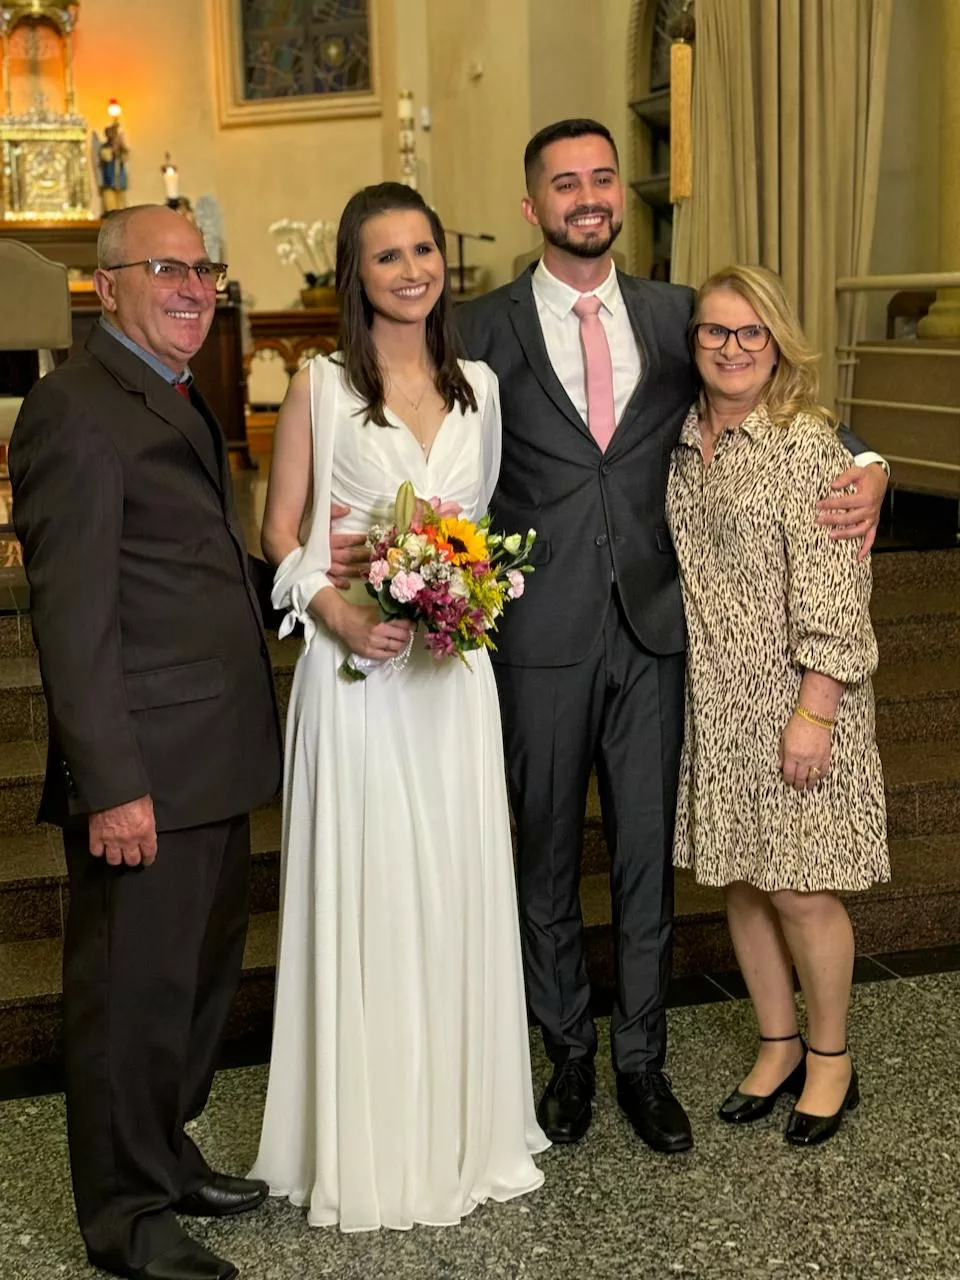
[(406, 586), (515, 578), (378, 570)]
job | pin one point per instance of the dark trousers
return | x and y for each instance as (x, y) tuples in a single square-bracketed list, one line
[(151, 964), (619, 710)]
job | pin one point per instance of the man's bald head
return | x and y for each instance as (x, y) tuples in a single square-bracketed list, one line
[(142, 220)]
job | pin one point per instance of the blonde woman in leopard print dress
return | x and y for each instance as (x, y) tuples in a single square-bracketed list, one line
[(781, 793)]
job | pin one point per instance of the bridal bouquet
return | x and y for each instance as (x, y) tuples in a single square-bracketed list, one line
[(449, 575)]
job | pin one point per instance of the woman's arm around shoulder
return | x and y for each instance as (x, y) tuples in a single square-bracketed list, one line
[(288, 489)]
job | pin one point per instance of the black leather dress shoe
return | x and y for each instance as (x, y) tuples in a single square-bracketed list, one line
[(742, 1108), (653, 1111), (222, 1197), (565, 1110), (187, 1260), (804, 1130)]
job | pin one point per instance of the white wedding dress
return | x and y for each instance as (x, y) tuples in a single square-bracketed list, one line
[(400, 1088)]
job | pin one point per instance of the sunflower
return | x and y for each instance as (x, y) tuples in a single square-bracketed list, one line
[(468, 544)]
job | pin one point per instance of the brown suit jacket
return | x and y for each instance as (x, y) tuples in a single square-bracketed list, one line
[(152, 651)]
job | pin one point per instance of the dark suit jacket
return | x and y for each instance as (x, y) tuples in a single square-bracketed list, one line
[(596, 514), (152, 652)]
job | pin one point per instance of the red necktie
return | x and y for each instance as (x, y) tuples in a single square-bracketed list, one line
[(598, 368), (182, 389)]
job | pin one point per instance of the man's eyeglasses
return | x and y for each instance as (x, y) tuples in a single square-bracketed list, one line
[(750, 337), (170, 271)]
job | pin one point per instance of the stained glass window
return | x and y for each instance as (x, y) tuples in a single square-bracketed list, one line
[(293, 48)]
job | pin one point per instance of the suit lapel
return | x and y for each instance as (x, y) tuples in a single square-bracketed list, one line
[(223, 464), (644, 331), (161, 399), (526, 324)]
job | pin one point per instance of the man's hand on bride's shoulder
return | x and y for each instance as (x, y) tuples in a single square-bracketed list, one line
[(348, 551)]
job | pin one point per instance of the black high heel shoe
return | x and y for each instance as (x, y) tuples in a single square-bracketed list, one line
[(805, 1130), (742, 1108)]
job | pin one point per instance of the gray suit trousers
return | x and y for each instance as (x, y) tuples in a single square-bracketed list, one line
[(620, 710)]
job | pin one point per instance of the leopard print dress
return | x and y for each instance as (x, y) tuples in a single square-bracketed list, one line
[(767, 594)]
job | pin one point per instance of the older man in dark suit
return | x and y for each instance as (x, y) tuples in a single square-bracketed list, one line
[(595, 381), (163, 735)]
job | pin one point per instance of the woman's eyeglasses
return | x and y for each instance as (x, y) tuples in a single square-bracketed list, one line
[(750, 337)]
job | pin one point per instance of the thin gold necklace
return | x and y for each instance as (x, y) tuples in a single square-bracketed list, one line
[(415, 406)]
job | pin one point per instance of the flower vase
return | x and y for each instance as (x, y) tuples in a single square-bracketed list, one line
[(319, 297)]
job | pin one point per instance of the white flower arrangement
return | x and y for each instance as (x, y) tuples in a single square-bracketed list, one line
[(311, 249)]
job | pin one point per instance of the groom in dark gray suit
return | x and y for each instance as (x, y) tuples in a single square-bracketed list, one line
[(590, 662)]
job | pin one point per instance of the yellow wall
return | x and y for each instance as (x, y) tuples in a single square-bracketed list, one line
[(157, 59), (490, 71), (906, 232), (479, 67)]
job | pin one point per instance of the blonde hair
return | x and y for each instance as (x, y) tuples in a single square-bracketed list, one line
[(795, 383)]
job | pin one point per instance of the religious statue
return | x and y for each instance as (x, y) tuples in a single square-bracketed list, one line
[(110, 163)]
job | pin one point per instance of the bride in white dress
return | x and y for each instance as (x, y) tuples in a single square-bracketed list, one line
[(400, 1087)]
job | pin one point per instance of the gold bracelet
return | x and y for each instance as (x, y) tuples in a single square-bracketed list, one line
[(820, 721)]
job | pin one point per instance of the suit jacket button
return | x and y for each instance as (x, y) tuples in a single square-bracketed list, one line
[(601, 540)]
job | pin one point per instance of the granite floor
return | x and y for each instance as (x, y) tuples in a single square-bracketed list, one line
[(882, 1200)]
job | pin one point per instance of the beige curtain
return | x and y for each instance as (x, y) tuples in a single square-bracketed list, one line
[(787, 123)]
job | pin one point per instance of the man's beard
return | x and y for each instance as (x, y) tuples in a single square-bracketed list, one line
[(595, 248)]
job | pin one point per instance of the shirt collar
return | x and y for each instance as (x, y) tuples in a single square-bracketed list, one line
[(147, 357), (560, 297), (753, 425)]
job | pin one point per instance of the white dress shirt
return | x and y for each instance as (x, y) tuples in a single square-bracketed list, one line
[(561, 333)]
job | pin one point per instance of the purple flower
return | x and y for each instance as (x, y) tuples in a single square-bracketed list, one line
[(440, 644)]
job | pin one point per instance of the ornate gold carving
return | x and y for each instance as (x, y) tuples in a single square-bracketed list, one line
[(44, 170)]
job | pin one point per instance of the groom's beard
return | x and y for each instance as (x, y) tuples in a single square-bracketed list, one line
[(596, 245)]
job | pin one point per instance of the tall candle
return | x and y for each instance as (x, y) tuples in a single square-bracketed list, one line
[(171, 179)]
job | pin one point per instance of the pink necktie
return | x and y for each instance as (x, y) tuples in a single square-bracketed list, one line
[(601, 418)]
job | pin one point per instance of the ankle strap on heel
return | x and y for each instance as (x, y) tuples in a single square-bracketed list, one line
[(774, 1039), (828, 1053)]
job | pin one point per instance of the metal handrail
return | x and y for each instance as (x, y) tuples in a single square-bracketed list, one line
[(951, 409), (913, 280)]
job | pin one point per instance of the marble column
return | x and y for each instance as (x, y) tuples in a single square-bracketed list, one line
[(943, 320)]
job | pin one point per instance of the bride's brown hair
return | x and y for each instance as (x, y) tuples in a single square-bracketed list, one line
[(356, 349)]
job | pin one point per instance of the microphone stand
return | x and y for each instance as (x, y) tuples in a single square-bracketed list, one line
[(461, 236)]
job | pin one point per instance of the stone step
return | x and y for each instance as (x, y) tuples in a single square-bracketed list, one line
[(23, 709), (919, 700), (907, 570), (922, 783), (922, 789), (21, 779), (915, 621), (16, 637), (919, 908)]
